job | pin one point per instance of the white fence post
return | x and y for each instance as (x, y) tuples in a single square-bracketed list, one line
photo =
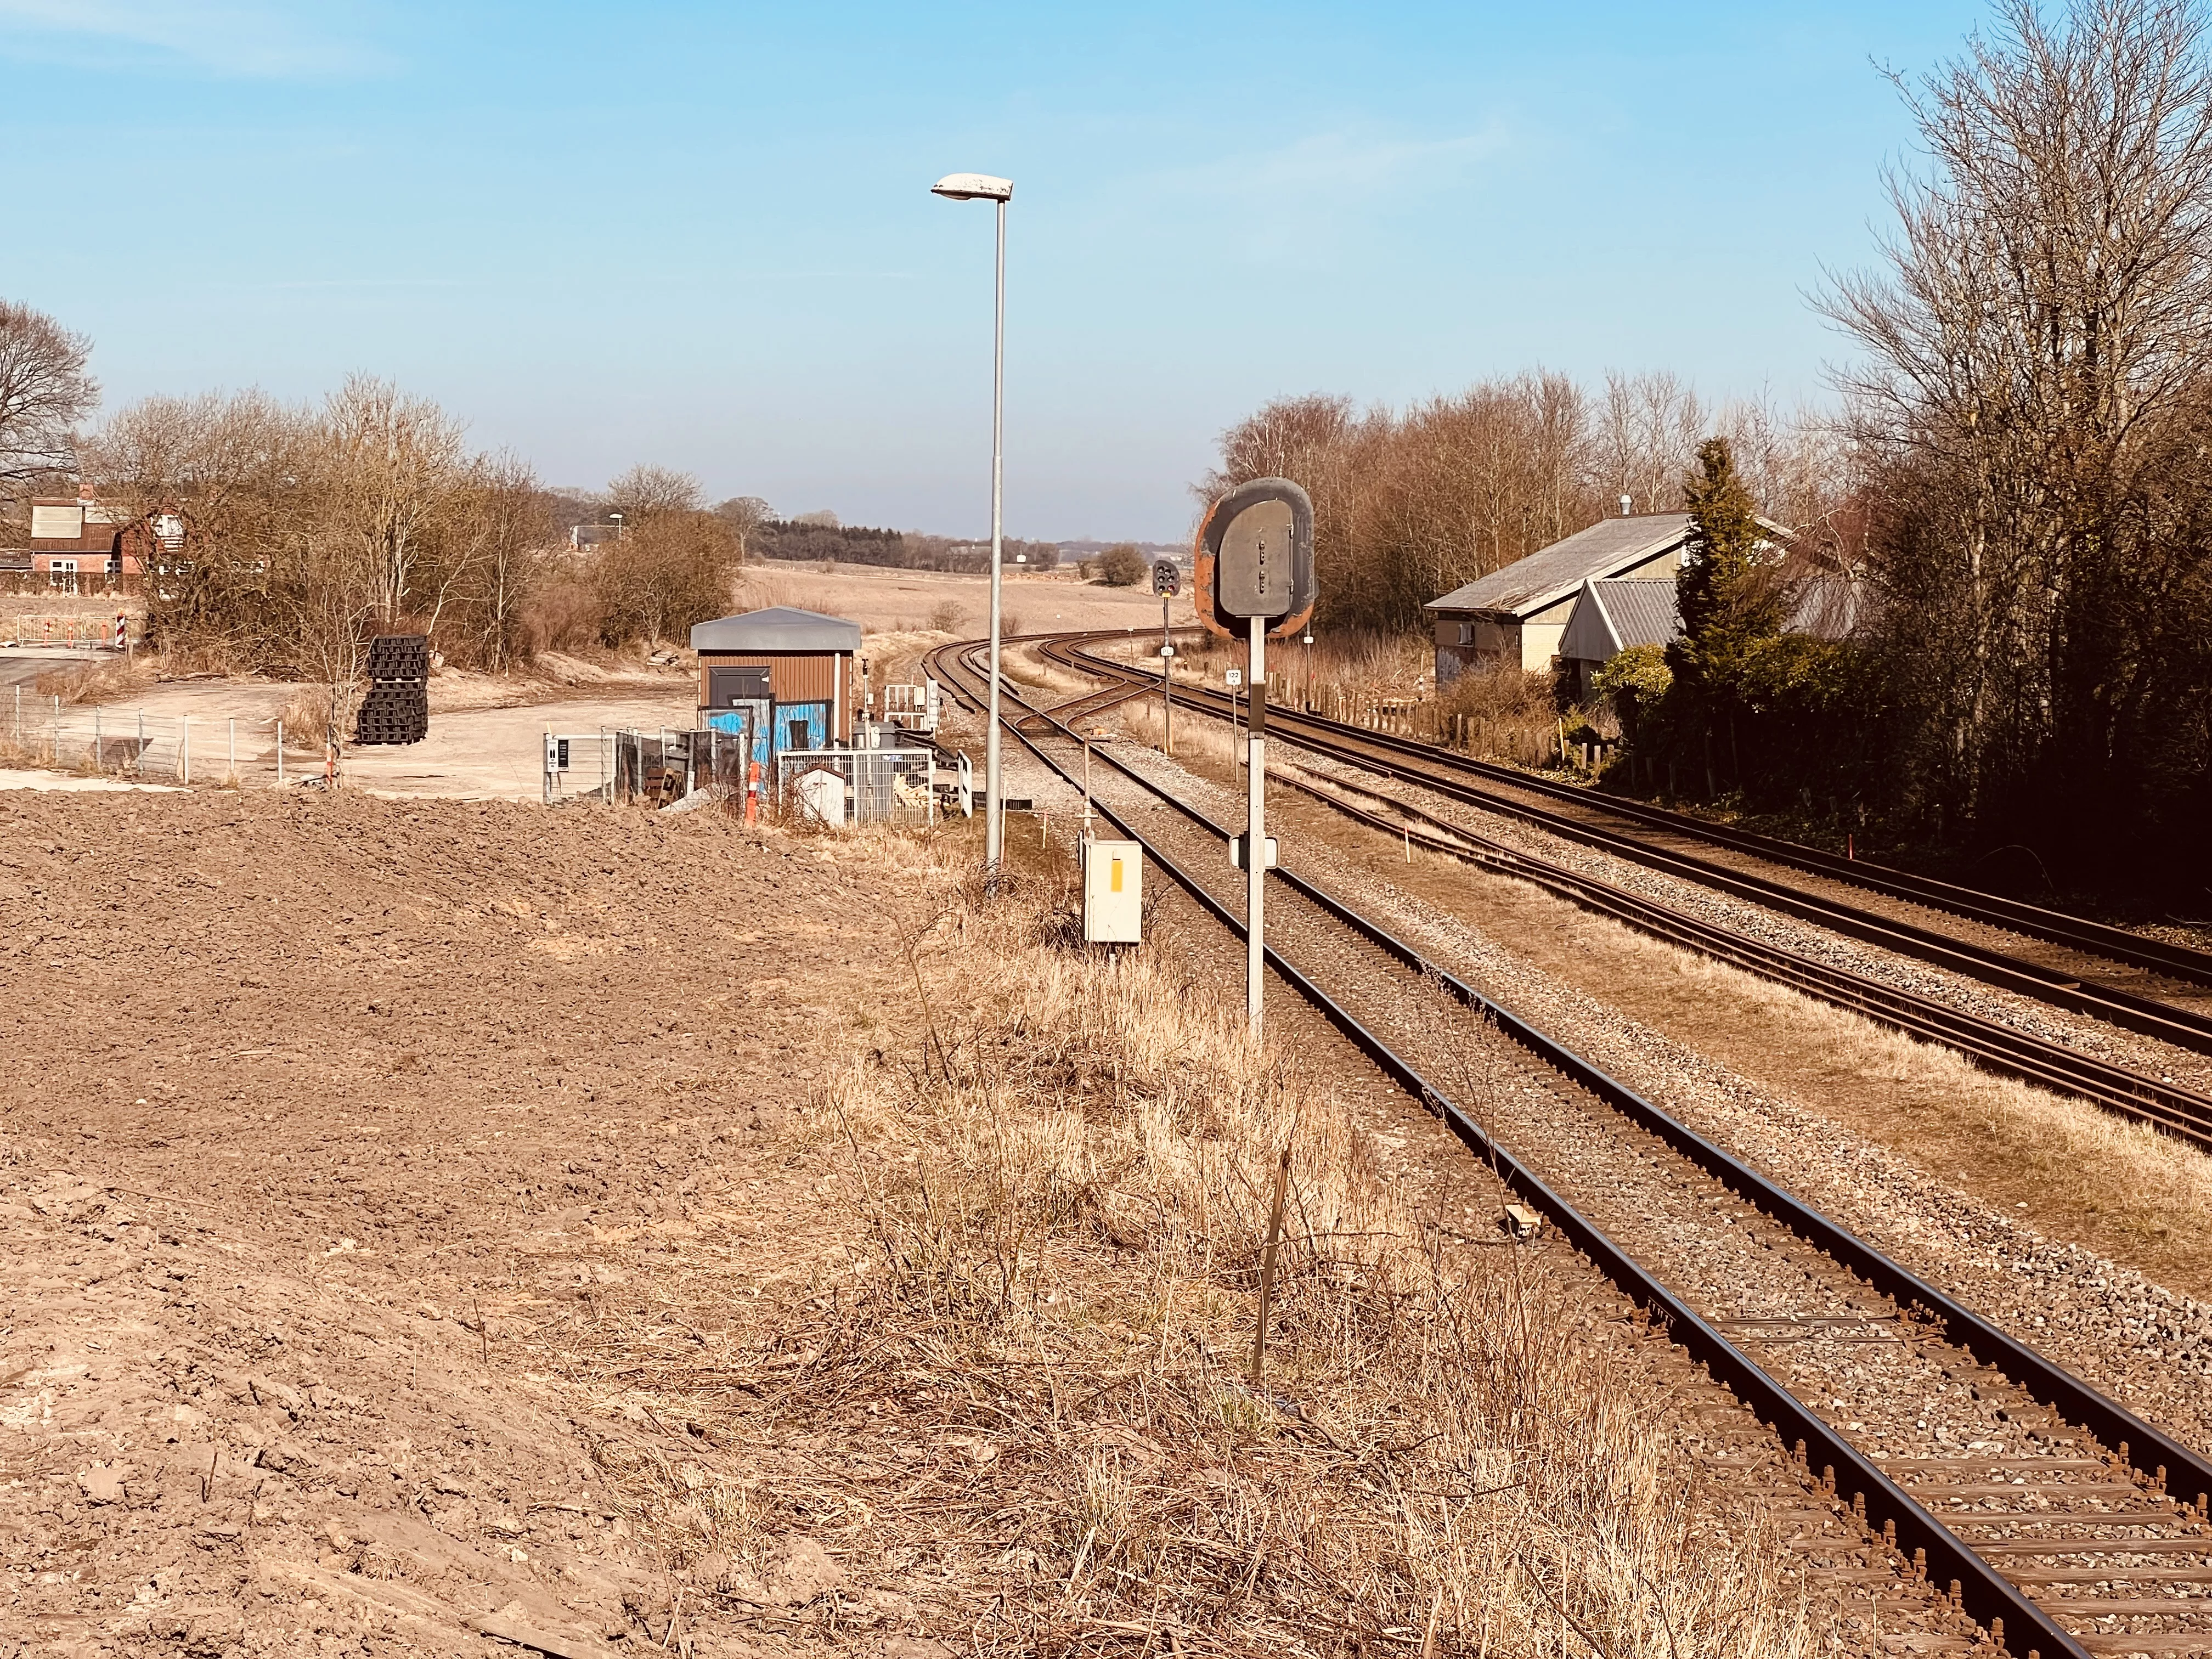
[(183, 749), (280, 754), (233, 751)]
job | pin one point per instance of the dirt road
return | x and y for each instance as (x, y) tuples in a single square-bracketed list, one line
[(314, 1111)]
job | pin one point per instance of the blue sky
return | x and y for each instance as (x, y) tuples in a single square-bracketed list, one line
[(700, 235)]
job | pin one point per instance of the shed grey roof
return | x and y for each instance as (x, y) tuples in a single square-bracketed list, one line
[(778, 627), (1609, 616), (1612, 614), (1548, 575)]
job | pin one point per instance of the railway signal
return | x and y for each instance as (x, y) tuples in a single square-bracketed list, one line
[(1167, 582), (1256, 575)]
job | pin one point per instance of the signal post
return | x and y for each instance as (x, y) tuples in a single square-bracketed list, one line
[(1255, 578), (1167, 582)]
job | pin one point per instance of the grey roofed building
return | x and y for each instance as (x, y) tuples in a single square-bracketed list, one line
[(1610, 616), (1516, 617), (778, 627)]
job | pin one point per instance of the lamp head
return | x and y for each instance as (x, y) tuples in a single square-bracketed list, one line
[(973, 187)]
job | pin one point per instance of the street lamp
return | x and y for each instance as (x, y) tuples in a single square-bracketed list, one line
[(617, 516), (981, 187)]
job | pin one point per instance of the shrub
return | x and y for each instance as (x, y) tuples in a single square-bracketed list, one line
[(1121, 566), (673, 572)]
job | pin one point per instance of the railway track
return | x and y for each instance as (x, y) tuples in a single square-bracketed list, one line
[(2172, 1106), (2160, 990), (2051, 1514)]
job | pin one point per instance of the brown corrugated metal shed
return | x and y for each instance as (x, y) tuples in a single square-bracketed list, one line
[(807, 656)]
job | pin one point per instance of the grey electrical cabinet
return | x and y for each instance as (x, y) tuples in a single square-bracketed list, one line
[(1113, 892)]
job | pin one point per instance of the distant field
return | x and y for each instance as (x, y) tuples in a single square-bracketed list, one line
[(885, 601)]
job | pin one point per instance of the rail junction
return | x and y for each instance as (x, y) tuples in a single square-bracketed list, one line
[(2057, 1518)]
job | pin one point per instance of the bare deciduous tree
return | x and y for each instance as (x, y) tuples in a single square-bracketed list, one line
[(44, 392), (396, 465), (2037, 355), (643, 491), (1408, 506)]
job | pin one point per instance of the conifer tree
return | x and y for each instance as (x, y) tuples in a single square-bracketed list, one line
[(1727, 595)]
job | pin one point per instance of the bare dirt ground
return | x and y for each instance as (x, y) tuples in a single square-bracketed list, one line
[(316, 1110)]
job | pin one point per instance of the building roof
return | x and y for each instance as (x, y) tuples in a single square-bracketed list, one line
[(1611, 616), (778, 627), (1614, 614), (1548, 575)]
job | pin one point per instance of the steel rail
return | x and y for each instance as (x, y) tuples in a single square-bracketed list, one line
[(2037, 921), (1984, 1592), (1995, 1047), (2184, 1027)]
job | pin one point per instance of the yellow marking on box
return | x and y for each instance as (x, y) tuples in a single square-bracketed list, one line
[(1114, 878)]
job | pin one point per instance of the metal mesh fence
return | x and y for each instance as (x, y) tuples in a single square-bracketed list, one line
[(858, 786), (125, 742)]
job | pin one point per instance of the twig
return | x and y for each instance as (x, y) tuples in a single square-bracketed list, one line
[(1267, 1265), (1076, 1572)]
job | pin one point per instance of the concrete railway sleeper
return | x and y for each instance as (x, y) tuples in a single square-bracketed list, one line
[(1616, 1138), (2074, 982), (1997, 1047), (2126, 1092)]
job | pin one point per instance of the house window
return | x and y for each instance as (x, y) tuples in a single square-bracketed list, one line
[(61, 574)]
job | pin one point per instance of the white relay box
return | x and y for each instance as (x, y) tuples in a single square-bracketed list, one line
[(1113, 892)]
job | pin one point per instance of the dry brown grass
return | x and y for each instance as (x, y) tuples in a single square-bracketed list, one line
[(100, 679), (1038, 1324), (313, 709)]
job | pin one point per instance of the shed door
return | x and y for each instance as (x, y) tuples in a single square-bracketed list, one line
[(802, 725), (728, 687)]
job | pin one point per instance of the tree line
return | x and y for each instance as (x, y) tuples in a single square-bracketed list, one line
[(818, 536), (1409, 504), (2017, 474), (308, 529)]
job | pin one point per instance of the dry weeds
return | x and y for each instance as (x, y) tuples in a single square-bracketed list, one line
[(100, 679), (1034, 1350)]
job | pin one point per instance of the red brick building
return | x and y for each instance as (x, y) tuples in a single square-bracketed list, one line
[(77, 545)]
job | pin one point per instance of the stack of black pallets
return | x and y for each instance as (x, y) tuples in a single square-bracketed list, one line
[(397, 707)]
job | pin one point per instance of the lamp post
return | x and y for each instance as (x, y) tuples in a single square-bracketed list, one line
[(981, 187)]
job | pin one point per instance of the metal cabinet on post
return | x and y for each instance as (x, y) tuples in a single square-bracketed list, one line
[(1113, 892)]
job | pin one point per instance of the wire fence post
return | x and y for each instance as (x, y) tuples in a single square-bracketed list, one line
[(98, 757), (183, 749), (233, 751), (280, 754)]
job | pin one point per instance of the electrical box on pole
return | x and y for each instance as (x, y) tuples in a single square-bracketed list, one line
[(1113, 892), (1255, 577)]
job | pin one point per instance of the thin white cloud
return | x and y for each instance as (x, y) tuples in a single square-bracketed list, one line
[(1336, 166), (252, 38), (1307, 200)]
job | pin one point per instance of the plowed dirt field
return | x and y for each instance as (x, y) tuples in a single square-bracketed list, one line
[(314, 1112)]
